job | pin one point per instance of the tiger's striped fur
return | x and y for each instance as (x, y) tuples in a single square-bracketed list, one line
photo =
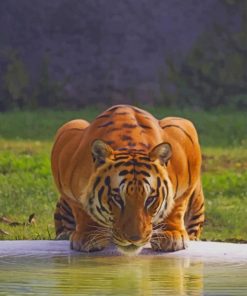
[(128, 178)]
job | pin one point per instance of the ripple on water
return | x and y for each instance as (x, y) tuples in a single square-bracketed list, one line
[(77, 275)]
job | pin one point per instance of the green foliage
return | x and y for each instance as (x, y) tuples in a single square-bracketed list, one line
[(20, 93), (213, 73), (15, 82), (48, 92)]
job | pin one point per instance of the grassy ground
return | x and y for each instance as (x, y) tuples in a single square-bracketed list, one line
[(26, 186)]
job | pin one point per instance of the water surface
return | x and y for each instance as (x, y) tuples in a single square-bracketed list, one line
[(72, 274)]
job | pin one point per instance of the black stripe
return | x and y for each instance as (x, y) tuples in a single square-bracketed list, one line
[(123, 173), (131, 144), (122, 149), (99, 211), (144, 173), (107, 181), (144, 158), (134, 172), (179, 127), (166, 185), (201, 207), (126, 138), (58, 204), (108, 184), (139, 164), (194, 225), (59, 230), (145, 126), (128, 125), (100, 195), (96, 183), (66, 208), (121, 157), (146, 181), (163, 193), (158, 183), (155, 167), (69, 219), (70, 227), (96, 217), (123, 181), (105, 124), (91, 200), (110, 142), (58, 217), (176, 189), (192, 231), (191, 200), (196, 217), (119, 164)]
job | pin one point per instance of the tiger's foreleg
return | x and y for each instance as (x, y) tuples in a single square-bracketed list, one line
[(170, 234), (88, 235)]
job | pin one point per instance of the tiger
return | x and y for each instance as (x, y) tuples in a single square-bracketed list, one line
[(128, 179)]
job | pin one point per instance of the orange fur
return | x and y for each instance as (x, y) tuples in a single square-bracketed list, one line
[(161, 156)]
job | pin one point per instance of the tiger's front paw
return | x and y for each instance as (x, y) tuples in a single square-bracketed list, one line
[(169, 240), (87, 243)]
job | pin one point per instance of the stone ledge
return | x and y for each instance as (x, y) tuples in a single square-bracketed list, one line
[(205, 251)]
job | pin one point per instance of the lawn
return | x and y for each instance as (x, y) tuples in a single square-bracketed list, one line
[(26, 185)]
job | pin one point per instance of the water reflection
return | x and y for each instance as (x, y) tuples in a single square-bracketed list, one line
[(77, 275)]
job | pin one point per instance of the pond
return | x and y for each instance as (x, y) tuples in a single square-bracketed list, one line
[(63, 272)]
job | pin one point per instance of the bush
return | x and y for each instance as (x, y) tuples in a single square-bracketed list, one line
[(214, 72), (15, 83)]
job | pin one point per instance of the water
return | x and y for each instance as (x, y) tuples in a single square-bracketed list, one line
[(73, 274)]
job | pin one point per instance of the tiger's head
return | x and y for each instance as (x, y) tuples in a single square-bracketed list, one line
[(129, 192)]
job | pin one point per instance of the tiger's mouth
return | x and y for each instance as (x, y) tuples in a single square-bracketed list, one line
[(130, 249)]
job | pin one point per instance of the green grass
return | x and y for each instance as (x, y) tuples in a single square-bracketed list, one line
[(224, 181), (215, 128), (26, 185)]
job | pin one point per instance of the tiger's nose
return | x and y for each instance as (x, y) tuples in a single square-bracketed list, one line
[(134, 238)]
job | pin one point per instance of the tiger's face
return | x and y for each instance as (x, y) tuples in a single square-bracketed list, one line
[(130, 192)]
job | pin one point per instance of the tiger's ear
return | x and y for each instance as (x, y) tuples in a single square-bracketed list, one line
[(100, 151), (163, 152)]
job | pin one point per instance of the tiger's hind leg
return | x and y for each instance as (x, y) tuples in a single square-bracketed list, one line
[(64, 220), (194, 215)]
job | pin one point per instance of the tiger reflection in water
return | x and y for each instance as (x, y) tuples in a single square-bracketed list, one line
[(118, 275)]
